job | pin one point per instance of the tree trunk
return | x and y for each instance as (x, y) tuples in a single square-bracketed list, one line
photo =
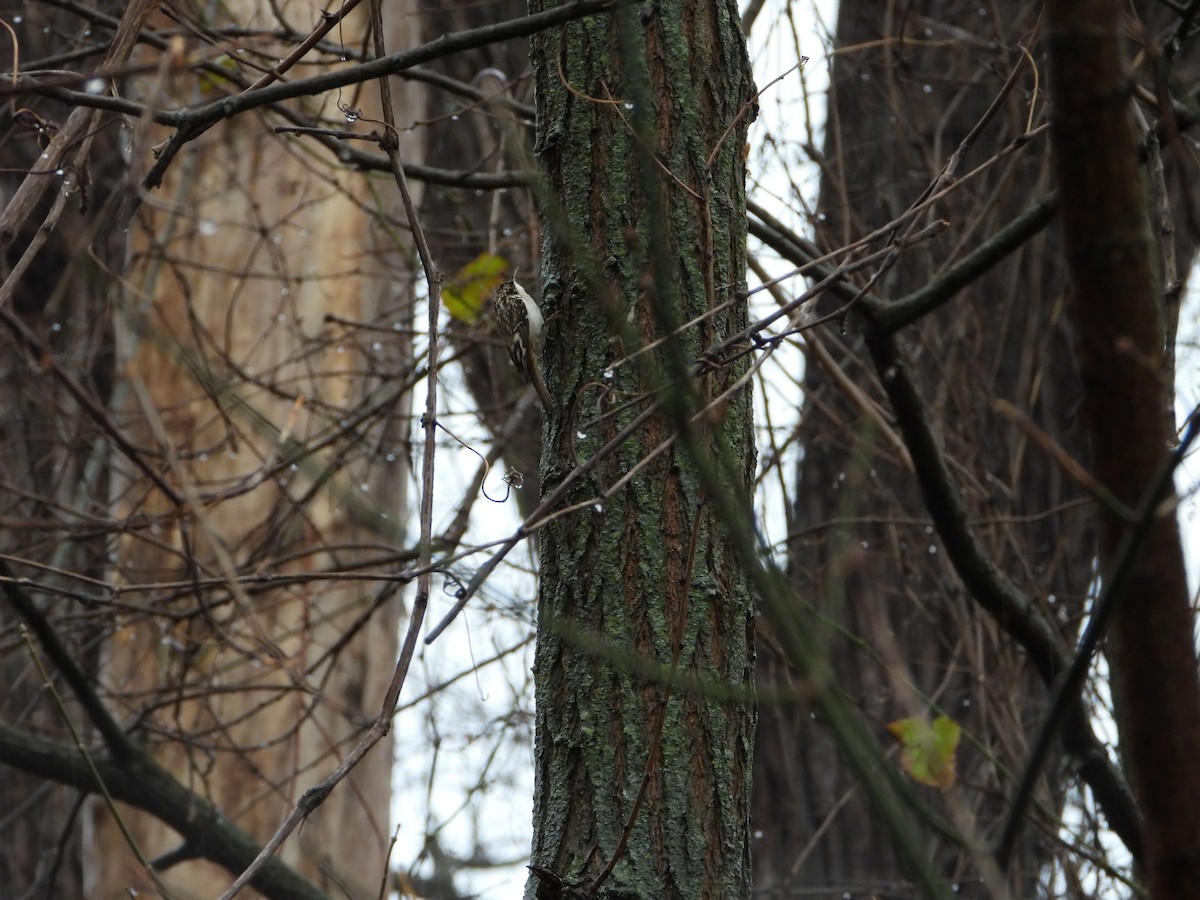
[(250, 270), (1115, 305), (644, 657), (56, 456), (909, 86)]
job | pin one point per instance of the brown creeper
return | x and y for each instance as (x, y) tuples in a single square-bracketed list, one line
[(520, 323)]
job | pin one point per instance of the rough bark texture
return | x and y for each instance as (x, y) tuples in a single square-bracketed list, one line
[(650, 577), (1115, 305)]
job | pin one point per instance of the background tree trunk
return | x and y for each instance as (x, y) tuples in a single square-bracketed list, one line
[(1117, 308), (231, 344), (56, 456), (487, 136), (649, 579), (909, 84)]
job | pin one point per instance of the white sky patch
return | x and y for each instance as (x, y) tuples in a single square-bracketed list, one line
[(1187, 397), (783, 179), (464, 756)]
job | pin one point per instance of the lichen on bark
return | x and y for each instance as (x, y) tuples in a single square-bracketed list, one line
[(645, 658)]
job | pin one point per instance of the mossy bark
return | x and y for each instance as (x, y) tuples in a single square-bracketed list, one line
[(641, 126)]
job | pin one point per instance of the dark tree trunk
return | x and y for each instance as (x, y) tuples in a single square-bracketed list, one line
[(54, 454), (1116, 308), (648, 580), (914, 81)]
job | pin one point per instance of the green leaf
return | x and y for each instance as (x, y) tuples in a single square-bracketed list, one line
[(468, 289), (928, 750)]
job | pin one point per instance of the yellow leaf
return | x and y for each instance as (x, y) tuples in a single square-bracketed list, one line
[(468, 289), (212, 80), (928, 750)]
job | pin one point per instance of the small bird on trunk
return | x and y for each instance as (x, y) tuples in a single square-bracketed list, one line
[(520, 323)]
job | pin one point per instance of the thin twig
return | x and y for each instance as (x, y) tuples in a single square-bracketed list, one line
[(315, 796), (109, 803), (1114, 587), (195, 122)]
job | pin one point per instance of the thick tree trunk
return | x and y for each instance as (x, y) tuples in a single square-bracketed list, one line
[(236, 341), (909, 86), (1115, 305), (643, 228), (56, 457)]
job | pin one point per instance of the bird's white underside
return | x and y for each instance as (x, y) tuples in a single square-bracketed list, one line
[(536, 322)]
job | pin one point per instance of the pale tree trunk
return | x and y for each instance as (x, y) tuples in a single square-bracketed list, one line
[(651, 778), (909, 87), (250, 266)]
